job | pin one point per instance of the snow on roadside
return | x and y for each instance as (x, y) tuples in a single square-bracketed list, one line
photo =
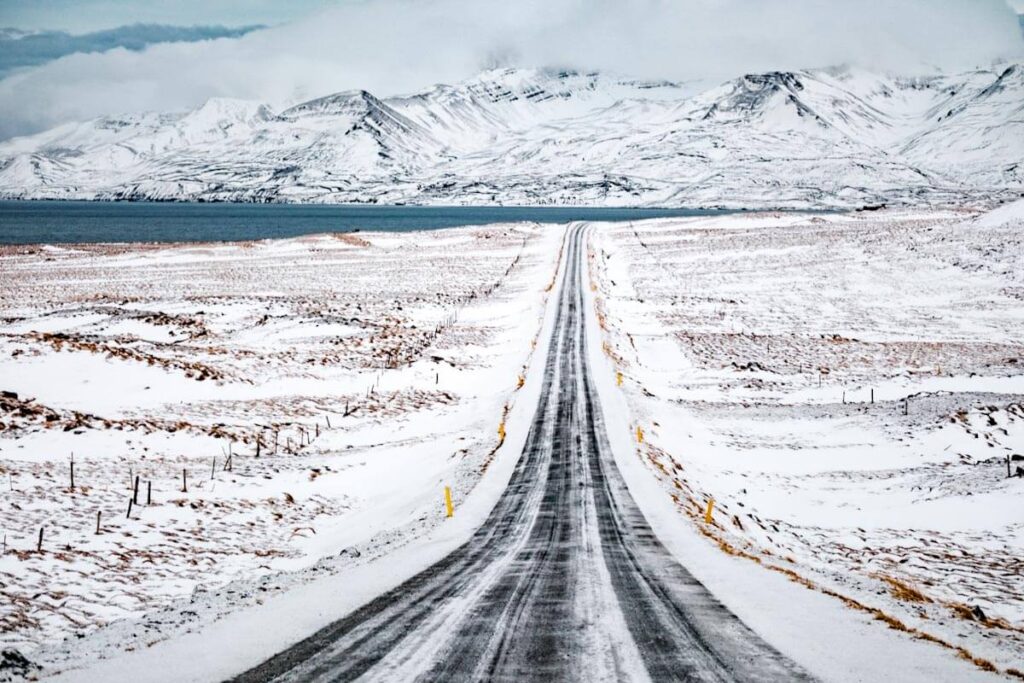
[(751, 348), (368, 372)]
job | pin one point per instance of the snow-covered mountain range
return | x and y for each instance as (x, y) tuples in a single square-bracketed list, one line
[(827, 137)]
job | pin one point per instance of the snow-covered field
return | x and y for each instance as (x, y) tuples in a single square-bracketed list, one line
[(315, 394), (849, 389)]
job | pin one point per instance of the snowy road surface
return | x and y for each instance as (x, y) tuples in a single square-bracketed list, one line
[(564, 580)]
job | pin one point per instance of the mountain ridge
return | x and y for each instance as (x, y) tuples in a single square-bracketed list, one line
[(837, 137)]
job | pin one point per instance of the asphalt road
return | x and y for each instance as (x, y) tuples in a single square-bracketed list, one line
[(565, 580)]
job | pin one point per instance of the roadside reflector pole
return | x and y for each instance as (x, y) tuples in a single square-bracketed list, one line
[(449, 509), (618, 379), (707, 513), (639, 435)]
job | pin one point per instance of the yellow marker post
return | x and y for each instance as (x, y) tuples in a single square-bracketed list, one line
[(707, 513), (501, 431), (618, 379), (639, 435), (448, 502)]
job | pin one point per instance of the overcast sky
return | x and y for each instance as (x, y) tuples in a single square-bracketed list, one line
[(314, 47)]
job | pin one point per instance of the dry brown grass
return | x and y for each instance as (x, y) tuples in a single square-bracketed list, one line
[(966, 613), (908, 593), (501, 439), (903, 591), (351, 239), (74, 342)]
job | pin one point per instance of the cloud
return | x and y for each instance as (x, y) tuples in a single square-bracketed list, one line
[(391, 46), (23, 48)]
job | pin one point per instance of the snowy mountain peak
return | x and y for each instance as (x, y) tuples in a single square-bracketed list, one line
[(773, 81), (358, 112), (769, 95), (219, 114), (347, 103), (506, 85), (1012, 78)]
